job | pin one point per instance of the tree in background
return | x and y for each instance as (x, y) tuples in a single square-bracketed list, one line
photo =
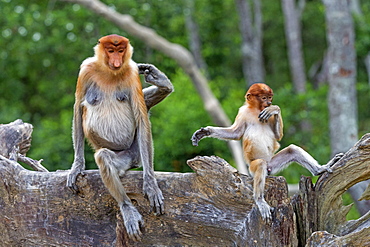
[(195, 43), (293, 33), (250, 25), (342, 96)]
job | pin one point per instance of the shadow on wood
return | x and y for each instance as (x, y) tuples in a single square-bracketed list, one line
[(212, 207)]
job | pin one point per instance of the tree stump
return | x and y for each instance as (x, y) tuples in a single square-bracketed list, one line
[(213, 206), (319, 207), (15, 141)]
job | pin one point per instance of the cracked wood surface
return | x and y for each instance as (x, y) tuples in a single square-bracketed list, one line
[(211, 207)]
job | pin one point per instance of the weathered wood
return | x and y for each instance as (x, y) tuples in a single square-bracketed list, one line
[(306, 211), (325, 239), (15, 137), (354, 167), (212, 207), (366, 194), (319, 207), (15, 141)]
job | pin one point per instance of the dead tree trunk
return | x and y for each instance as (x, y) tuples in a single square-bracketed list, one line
[(319, 207), (212, 207)]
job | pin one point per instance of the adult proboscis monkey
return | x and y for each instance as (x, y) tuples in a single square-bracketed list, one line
[(111, 111)]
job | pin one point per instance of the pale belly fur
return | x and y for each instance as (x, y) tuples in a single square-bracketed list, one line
[(110, 124), (262, 143)]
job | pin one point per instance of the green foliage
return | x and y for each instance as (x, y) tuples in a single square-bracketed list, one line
[(353, 212), (313, 33), (173, 123), (363, 40), (363, 96), (274, 46), (305, 124)]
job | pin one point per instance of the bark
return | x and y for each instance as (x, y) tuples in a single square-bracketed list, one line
[(15, 141), (212, 207), (293, 34), (355, 7), (319, 71), (175, 51), (15, 137), (251, 32), (342, 75), (319, 207)]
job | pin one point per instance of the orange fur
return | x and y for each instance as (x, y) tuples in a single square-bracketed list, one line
[(259, 140), (110, 123), (98, 69), (260, 125), (111, 112)]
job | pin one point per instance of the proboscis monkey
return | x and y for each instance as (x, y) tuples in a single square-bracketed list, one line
[(111, 111), (260, 125)]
